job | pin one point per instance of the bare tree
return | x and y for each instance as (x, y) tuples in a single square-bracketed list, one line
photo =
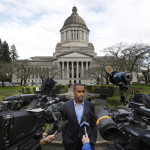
[(128, 57), (97, 69), (51, 71), (145, 69), (21, 69)]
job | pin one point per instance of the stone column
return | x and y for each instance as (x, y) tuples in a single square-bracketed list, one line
[(80, 35), (72, 70), (59, 70), (77, 69), (62, 70), (67, 70), (74, 34), (86, 65), (87, 37), (64, 36), (69, 35), (61, 37), (81, 68)]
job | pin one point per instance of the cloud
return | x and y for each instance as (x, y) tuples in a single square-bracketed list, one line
[(33, 26)]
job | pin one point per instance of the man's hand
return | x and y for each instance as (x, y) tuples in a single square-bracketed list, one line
[(85, 139), (48, 139)]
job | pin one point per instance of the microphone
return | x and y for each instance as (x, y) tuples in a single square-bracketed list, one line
[(62, 126), (93, 115), (51, 130), (84, 124)]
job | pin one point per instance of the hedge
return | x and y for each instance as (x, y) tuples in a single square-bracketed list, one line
[(62, 88), (91, 88), (113, 101), (32, 89)]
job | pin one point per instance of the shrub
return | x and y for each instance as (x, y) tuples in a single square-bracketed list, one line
[(28, 90), (23, 90), (91, 88), (113, 101), (62, 88)]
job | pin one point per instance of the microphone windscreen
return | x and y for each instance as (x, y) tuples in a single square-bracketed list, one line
[(83, 119), (51, 130), (93, 115), (63, 125)]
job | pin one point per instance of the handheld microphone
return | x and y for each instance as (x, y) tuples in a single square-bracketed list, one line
[(84, 124), (93, 115), (63, 125)]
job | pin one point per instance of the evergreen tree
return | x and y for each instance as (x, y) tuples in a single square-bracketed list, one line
[(5, 53), (13, 53), (0, 50), (5, 62)]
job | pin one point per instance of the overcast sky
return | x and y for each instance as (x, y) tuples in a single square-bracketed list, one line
[(33, 25)]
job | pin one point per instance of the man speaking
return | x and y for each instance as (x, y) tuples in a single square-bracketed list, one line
[(74, 110)]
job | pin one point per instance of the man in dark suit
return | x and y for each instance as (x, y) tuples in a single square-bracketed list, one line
[(74, 110)]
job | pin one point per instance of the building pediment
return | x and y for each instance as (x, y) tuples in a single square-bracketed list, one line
[(75, 54)]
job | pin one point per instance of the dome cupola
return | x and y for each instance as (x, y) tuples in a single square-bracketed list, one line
[(74, 18), (74, 36)]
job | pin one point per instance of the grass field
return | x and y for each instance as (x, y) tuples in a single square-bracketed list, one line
[(9, 91), (141, 88)]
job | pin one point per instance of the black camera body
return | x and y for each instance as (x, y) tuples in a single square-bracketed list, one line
[(22, 118), (21, 130), (131, 128), (128, 127)]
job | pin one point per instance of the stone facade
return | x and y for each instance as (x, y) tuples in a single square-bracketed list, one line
[(73, 55)]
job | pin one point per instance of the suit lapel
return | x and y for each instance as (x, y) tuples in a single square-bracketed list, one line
[(73, 111), (85, 108)]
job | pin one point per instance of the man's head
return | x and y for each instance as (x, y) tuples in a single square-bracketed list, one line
[(79, 92)]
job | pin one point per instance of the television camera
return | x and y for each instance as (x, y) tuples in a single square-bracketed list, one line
[(129, 127), (22, 118)]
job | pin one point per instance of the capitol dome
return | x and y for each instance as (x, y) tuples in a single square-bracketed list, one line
[(74, 34), (74, 18)]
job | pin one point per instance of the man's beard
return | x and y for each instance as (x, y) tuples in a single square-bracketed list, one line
[(80, 100)]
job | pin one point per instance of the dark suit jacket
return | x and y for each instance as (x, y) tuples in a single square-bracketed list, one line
[(71, 132)]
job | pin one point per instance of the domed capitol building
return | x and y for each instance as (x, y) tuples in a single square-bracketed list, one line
[(73, 55)]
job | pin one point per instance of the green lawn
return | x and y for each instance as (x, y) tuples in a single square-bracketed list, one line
[(141, 88), (9, 91)]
